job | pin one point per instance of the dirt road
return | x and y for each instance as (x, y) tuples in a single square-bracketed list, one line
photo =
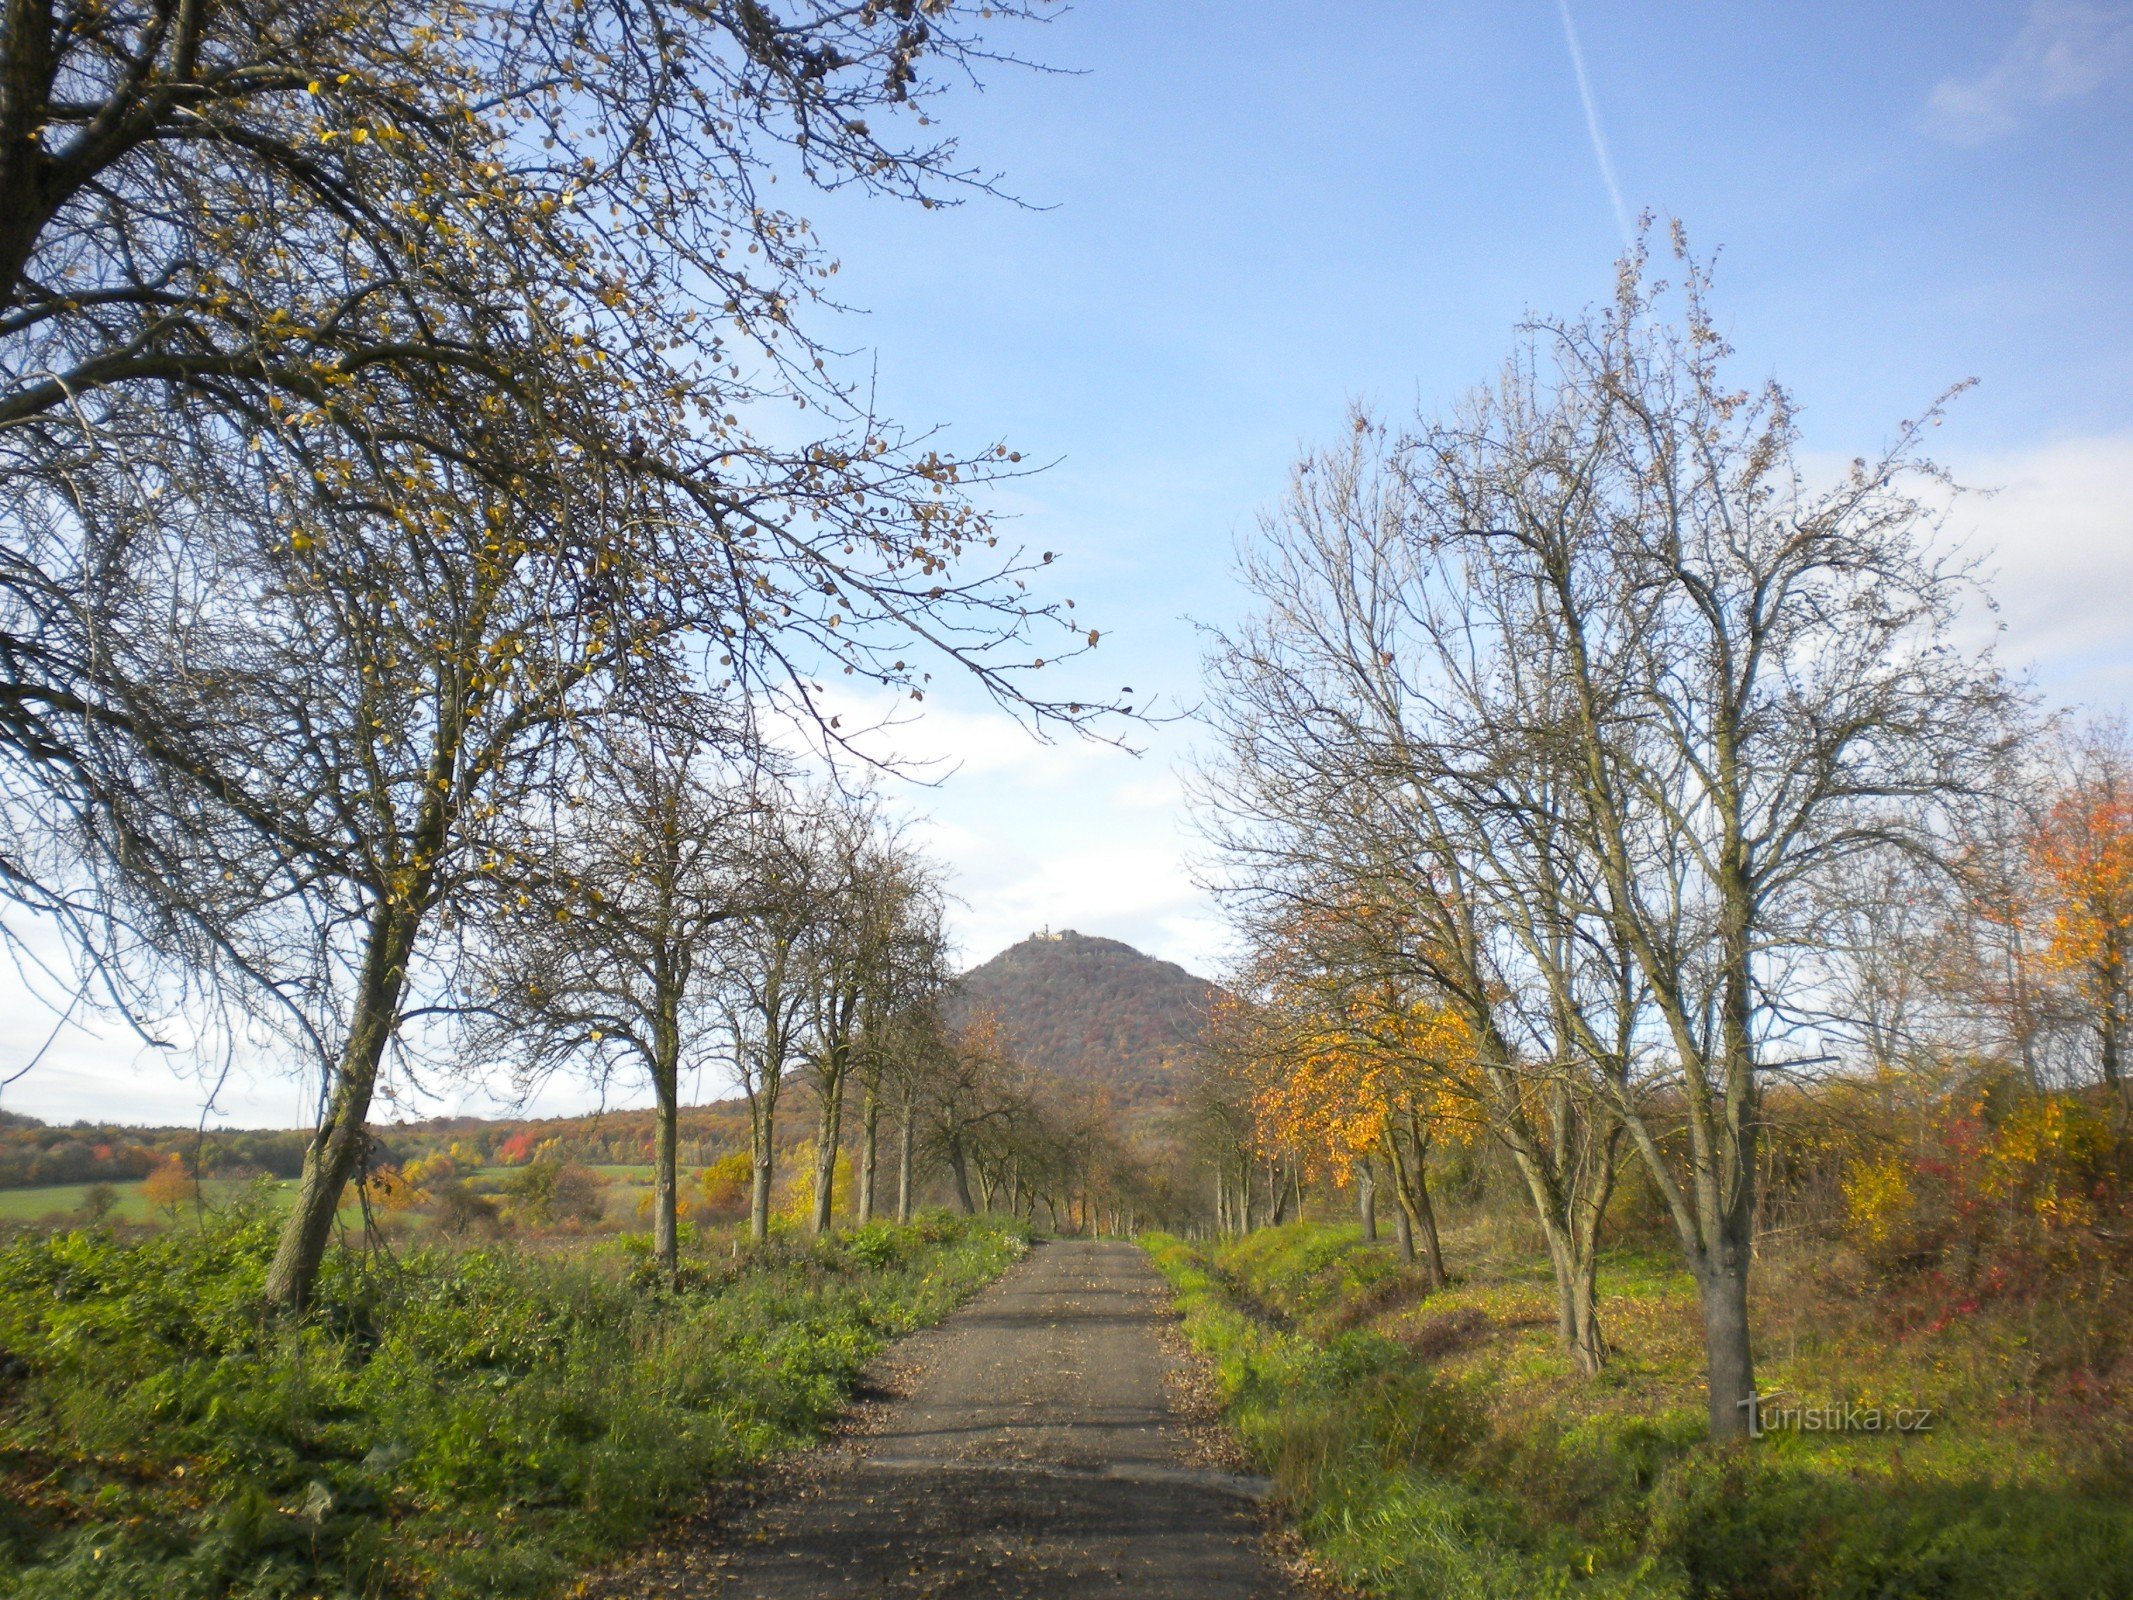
[(1033, 1449)]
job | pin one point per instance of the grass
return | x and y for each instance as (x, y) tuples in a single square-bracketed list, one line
[(1437, 1444), (52, 1200), (489, 1422), (57, 1202)]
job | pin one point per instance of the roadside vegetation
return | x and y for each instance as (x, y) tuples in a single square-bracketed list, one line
[(1437, 1442), (487, 1421)]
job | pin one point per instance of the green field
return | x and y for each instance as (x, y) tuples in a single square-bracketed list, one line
[(59, 1200)]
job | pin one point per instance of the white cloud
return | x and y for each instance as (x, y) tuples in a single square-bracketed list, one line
[(2065, 49), (2057, 537)]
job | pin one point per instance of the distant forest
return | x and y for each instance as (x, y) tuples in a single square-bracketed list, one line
[(34, 1154)]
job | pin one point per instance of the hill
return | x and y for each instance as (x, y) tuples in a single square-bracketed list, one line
[(1094, 1011)]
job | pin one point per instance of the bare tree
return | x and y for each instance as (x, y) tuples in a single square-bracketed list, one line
[(1733, 679), (1336, 810), (599, 952), (909, 973), (871, 952)]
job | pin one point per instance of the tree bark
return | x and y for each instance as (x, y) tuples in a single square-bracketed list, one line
[(869, 1151), (1366, 1199), (959, 1165), (1729, 1367), (666, 1091), (762, 1135), (903, 1161), (1403, 1228), (829, 1134), (337, 1144)]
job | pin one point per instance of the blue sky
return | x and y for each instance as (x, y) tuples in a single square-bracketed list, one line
[(1243, 216)]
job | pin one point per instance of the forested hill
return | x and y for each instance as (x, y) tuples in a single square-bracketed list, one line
[(1094, 1011)]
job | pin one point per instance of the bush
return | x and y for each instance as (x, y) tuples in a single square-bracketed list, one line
[(484, 1423)]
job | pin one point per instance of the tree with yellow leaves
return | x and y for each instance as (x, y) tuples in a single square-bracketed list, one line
[(170, 1187), (1364, 1073), (2084, 852)]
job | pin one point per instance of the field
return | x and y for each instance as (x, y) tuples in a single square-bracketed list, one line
[(51, 1202), (446, 1423), (1436, 1444), (65, 1200)]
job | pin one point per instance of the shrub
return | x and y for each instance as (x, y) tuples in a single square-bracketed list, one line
[(478, 1423)]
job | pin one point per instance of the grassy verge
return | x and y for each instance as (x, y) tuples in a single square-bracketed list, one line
[(1436, 1446), (478, 1423)]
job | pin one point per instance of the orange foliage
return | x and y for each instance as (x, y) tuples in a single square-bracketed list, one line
[(2085, 849), (1329, 1090), (169, 1186)]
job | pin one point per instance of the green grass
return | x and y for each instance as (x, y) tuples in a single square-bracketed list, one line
[(58, 1202), (1436, 1445), (451, 1424), (64, 1200)]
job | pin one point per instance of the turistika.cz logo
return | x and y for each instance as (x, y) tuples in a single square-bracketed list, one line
[(1772, 1413)]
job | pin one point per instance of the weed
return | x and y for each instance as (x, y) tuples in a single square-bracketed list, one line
[(477, 1423)]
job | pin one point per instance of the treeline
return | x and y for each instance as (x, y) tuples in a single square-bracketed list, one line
[(34, 1153), (432, 533), (1603, 787)]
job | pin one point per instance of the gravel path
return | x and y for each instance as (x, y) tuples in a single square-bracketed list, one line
[(1034, 1444)]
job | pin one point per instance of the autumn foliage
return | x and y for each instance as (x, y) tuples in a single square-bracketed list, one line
[(2084, 855)]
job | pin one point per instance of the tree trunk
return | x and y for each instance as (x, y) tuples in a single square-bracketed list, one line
[(1427, 1244), (338, 1143), (1729, 1366), (759, 1195), (1366, 1199), (829, 1133), (666, 1090), (869, 1151), (903, 1162), (960, 1167), (763, 1139), (2111, 984), (1403, 1229)]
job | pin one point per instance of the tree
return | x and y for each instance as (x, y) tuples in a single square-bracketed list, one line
[(1622, 683), (169, 1187), (1350, 849), (968, 1087), (601, 952), (1733, 678), (882, 953), (2084, 851), (871, 949), (436, 323), (98, 1201), (759, 977)]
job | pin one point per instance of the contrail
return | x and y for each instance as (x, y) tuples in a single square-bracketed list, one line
[(1592, 124)]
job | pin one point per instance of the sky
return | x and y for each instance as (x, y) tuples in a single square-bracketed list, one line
[(1230, 222)]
